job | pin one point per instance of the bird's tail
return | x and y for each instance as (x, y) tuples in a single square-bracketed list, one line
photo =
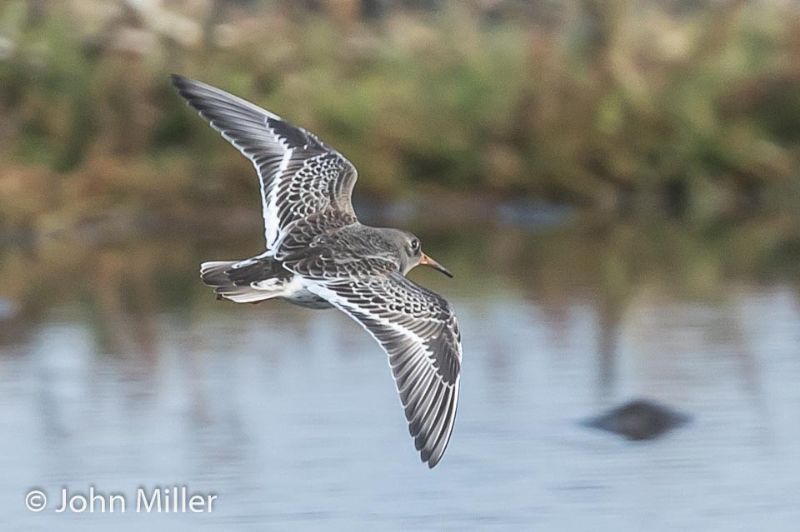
[(248, 281)]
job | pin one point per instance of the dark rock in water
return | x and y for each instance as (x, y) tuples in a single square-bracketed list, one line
[(639, 420)]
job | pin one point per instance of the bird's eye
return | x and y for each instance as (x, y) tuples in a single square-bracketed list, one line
[(415, 245)]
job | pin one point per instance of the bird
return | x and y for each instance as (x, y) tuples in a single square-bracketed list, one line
[(318, 255)]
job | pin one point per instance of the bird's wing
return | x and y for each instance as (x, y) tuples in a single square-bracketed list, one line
[(418, 330), (300, 176)]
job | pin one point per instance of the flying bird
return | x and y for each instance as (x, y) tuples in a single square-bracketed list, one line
[(318, 255)]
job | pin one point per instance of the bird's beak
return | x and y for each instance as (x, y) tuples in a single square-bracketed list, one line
[(427, 261)]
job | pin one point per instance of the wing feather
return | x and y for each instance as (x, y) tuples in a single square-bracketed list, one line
[(419, 332), (300, 176)]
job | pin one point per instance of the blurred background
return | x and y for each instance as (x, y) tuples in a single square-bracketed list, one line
[(616, 186)]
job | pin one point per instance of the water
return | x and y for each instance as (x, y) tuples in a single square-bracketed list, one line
[(118, 370)]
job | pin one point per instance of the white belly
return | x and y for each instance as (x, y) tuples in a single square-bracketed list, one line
[(295, 292)]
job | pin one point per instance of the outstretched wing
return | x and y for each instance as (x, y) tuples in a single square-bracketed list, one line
[(300, 176), (418, 330)]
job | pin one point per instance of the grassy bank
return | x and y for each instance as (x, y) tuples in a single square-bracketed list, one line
[(617, 106)]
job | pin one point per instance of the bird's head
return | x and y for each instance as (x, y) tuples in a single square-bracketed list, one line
[(411, 254)]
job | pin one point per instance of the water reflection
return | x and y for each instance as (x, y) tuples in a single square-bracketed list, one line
[(118, 368)]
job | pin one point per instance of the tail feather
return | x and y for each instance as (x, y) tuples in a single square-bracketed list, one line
[(235, 280), (214, 273)]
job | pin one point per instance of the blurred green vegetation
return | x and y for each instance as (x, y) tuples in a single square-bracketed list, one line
[(685, 108)]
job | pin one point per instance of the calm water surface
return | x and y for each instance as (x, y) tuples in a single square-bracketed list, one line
[(119, 370)]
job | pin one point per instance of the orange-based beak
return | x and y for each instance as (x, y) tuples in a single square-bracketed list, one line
[(427, 261)]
